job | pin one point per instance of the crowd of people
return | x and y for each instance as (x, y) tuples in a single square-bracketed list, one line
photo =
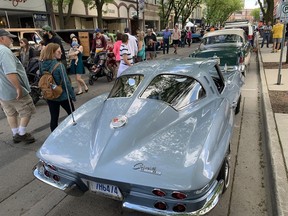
[(14, 84)]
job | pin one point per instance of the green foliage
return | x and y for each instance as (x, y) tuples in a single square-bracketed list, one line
[(218, 11), (256, 14)]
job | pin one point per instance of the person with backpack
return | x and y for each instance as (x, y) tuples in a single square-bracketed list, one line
[(14, 91), (50, 64)]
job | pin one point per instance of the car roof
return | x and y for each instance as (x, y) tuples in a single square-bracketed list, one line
[(237, 31), (182, 66)]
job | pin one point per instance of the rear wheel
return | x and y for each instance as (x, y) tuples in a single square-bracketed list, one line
[(237, 109), (35, 95), (225, 173), (109, 74), (91, 82)]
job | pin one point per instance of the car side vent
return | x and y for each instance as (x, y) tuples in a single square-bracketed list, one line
[(206, 79)]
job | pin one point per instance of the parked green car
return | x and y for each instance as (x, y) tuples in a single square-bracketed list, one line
[(231, 46)]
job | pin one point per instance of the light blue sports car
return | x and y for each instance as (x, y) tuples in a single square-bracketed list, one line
[(159, 142)]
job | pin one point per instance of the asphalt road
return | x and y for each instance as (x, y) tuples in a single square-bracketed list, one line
[(22, 194)]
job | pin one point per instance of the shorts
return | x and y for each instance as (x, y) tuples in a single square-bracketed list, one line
[(23, 107), (277, 40), (176, 42)]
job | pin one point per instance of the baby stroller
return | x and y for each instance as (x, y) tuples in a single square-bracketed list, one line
[(97, 66), (33, 75)]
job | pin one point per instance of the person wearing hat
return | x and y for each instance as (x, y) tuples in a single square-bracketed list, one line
[(14, 91), (50, 37), (99, 44)]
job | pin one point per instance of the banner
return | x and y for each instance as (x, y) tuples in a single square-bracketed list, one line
[(28, 5)]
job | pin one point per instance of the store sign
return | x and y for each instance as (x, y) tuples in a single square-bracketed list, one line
[(29, 5)]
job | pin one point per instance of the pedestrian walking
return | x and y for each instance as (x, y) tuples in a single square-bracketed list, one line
[(77, 65), (132, 44), (266, 34), (14, 91), (26, 52), (183, 38), (277, 32), (150, 42), (99, 44), (116, 48), (51, 53), (125, 55), (141, 55), (189, 36), (176, 36), (49, 36), (166, 40)]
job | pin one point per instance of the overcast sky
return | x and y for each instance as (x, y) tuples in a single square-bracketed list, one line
[(249, 4)]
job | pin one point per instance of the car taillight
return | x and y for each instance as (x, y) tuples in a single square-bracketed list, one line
[(158, 192), (47, 174), (161, 205), (51, 167), (241, 59), (179, 208), (56, 178), (179, 195)]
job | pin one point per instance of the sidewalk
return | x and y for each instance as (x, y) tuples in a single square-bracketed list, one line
[(275, 126)]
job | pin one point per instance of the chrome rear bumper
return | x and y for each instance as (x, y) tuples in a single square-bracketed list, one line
[(210, 202)]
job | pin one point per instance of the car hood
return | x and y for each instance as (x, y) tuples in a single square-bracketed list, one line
[(157, 146)]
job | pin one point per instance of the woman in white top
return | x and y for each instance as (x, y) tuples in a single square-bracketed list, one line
[(176, 36), (126, 59)]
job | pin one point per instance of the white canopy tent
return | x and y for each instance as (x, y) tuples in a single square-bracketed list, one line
[(189, 24)]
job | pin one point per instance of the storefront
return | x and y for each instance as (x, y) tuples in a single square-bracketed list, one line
[(23, 13)]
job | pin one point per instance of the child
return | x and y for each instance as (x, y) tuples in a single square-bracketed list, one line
[(73, 52)]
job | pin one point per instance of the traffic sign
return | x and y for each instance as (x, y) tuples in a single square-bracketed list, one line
[(284, 12)]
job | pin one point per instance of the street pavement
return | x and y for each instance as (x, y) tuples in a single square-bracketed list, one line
[(275, 126)]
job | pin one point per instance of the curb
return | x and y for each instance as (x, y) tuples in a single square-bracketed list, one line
[(275, 161)]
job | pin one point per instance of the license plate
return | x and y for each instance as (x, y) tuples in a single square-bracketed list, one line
[(106, 190)]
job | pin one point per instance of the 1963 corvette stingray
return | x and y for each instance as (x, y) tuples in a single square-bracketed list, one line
[(159, 141)]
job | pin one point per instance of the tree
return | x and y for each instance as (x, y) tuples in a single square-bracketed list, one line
[(188, 9), (218, 11), (99, 6), (267, 11), (256, 14), (165, 10), (178, 7), (61, 4)]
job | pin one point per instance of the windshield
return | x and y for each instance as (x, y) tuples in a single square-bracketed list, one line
[(227, 38), (176, 90), (125, 86)]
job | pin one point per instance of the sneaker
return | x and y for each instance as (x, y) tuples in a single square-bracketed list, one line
[(15, 138), (27, 138)]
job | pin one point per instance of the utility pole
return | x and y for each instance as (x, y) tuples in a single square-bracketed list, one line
[(137, 8)]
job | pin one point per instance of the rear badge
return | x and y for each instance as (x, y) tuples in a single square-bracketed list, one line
[(118, 121)]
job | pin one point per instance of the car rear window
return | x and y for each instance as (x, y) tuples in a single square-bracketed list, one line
[(176, 90), (225, 38), (125, 86)]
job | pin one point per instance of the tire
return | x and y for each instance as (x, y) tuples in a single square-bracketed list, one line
[(91, 82), (110, 76), (237, 109), (224, 174), (35, 96)]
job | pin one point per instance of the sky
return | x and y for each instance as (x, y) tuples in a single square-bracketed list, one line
[(250, 4)]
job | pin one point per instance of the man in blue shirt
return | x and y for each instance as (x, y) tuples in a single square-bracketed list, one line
[(166, 40)]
